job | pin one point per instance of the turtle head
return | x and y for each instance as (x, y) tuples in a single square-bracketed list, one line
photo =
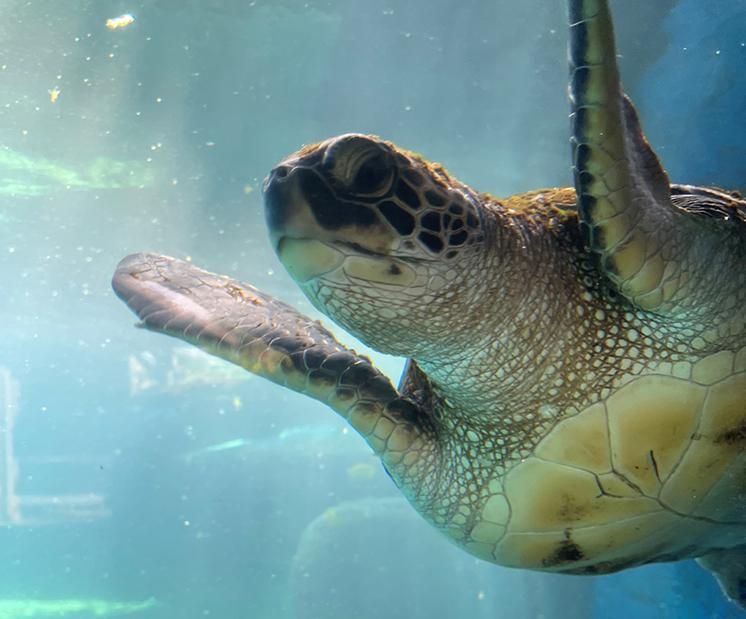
[(371, 232)]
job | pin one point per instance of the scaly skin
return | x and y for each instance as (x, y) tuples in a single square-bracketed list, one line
[(266, 337)]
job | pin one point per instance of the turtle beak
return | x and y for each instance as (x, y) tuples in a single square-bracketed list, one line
[(297, 201), (295, 234), (314, 221), (284, 204)]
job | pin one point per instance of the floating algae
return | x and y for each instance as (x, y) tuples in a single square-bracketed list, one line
[(32, 608), (122, 21), (21, 175)]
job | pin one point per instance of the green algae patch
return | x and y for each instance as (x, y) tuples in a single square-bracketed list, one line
[(71, 608), (22, 175)]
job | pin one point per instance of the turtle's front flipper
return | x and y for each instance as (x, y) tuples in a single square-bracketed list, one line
[(729, 566), (624, 195), (267, 337)]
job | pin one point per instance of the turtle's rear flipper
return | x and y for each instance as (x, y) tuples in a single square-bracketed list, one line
[(729, 567), (239, 323)]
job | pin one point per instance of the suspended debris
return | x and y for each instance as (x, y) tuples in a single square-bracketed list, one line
[(122, 21)]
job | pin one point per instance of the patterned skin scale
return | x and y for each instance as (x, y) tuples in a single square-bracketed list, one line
[(575, 399)]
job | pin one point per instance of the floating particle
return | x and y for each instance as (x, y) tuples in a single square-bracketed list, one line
[(330, 515), (54, 93), (119, 22), (361, 471)]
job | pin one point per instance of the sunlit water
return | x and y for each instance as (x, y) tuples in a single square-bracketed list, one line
[(155, 483)]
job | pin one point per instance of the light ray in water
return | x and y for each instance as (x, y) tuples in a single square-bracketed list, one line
[(23, 175), (297, 439), (23, 608)]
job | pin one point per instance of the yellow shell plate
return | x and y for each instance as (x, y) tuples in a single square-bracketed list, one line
[(609, 483)]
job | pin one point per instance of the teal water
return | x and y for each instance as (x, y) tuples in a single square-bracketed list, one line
[(157, 139)]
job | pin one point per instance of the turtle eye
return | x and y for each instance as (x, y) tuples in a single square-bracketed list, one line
[(373, 176), (359, 165)]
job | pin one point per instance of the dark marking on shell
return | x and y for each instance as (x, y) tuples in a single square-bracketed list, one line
[(732, 436), (651, 455), (569, 510), (567, 552)]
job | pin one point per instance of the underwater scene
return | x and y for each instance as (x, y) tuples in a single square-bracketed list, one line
[(141, 477)]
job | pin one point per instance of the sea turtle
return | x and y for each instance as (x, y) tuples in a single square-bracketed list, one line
[(575, 395)]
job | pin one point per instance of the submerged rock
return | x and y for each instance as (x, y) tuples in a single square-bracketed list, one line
[(373, 558)]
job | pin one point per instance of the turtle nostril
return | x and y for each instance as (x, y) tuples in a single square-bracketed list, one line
[(277, 176)]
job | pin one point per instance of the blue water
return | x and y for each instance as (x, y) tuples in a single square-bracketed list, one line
[(158, 139)]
